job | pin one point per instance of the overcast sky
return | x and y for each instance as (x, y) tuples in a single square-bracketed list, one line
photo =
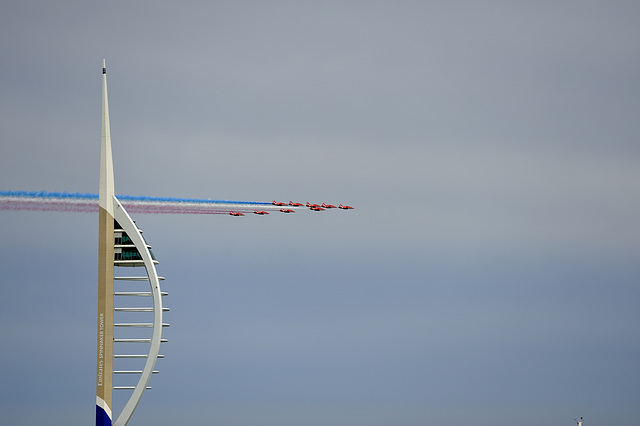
[(488, 275)]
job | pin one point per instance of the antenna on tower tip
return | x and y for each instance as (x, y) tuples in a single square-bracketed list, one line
[(104, 66)]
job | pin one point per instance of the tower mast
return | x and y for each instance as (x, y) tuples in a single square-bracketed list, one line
[(104, 361)]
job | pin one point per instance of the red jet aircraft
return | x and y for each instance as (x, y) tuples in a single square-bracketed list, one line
[(317, 209), (236, 214), (328, 206), (275, 203), (287, 211), (260, 212), (312, 205), (291, 203), (344, 207)]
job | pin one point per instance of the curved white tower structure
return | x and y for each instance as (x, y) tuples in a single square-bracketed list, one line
[(121, 244)]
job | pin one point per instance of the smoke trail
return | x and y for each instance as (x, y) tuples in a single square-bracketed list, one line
[(47, 205), (143, 198), (88, 203), (86, 196)]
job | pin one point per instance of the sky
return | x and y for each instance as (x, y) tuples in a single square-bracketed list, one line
[(488, 274)]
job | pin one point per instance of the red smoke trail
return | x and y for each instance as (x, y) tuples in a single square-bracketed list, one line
[(48, 205), (158, 208)]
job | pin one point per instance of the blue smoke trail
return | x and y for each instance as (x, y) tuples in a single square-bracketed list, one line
[(183, 200)]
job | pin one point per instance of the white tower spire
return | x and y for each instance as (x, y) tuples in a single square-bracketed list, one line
[(104, 356), (106, 192), (120, 243)]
